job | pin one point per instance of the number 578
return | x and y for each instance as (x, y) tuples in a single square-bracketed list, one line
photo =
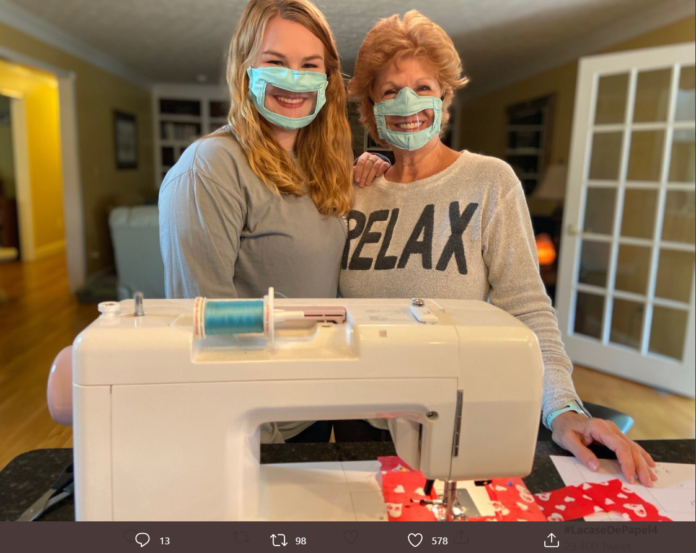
[(439, 541)]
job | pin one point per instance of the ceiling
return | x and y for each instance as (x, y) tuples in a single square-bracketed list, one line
[(180, 40)]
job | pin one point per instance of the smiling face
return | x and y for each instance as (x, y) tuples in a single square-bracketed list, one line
[(291, 45), (417, 74)]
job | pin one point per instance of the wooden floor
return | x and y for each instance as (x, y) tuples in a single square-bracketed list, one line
[(39, 317)]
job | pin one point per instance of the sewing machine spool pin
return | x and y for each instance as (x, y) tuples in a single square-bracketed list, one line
[(139, 308), (231, 317)]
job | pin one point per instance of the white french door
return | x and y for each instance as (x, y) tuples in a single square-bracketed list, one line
[(626, 286)]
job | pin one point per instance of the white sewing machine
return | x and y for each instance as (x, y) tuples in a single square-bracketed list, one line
[(166, 415)]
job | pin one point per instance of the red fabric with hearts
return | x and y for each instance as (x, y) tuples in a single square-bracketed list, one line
[(574, 502), (398, 488), (510, 497), (512, 501), (394, 463)]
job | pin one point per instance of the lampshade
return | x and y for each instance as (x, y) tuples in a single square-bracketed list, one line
[(553, 185)]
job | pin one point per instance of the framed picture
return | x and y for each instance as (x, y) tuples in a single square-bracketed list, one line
[(126, 140)]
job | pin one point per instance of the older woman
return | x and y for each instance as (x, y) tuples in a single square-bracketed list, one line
[(448, 224)]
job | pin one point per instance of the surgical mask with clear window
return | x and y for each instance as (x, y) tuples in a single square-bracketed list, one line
[(408, 121), (289, 99)]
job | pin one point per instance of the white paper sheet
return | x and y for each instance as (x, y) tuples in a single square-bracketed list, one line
[(674, 493)]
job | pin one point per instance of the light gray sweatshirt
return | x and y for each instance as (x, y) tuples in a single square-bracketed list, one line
[(224, 234), (464, 233)]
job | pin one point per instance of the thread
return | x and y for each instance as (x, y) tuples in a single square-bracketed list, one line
[(234, 317)]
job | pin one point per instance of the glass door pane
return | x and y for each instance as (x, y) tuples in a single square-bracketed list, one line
[(640, 208), (652, 96), (627, 323), (633, 269), (681, 167), (668, 332), (599, 210), (680, 217), (594, 263), (589, 310), (645, 159), (612, 95), (606, 156), (686, 97), (674, 275)]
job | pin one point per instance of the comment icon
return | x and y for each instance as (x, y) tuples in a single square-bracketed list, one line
[(142, 539)]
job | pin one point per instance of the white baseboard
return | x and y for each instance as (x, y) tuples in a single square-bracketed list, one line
[(49, 249)]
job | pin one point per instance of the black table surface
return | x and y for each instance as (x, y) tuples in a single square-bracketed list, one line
[(30, 474)]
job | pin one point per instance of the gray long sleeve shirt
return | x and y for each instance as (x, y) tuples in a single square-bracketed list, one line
[(224, 234), (464, 233)]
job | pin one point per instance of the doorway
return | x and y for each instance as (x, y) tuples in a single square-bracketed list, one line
[(38, 182), (9, 227), (58, 228)]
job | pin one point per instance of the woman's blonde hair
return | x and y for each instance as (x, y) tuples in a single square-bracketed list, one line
[(324, 146), (393, 39)]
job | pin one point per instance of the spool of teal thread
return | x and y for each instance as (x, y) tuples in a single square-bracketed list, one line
[(234, 317)]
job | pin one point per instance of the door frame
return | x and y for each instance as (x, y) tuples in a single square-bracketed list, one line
[(70, 161), (624, 362)]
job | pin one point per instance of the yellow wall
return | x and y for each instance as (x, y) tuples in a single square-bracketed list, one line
[(40, 94), (98, 94), (484, 119)]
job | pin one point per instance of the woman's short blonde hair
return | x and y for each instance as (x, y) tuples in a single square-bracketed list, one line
[(393, 39)]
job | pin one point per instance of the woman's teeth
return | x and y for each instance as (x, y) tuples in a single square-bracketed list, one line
[(287, 100), (408, 126)]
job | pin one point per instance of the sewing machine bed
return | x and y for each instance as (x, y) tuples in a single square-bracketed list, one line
[(333, 491), (338, 480), (336, 491)]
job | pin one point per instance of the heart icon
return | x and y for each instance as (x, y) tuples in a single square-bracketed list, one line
[(637, 509), (415, 539), (350, 536)]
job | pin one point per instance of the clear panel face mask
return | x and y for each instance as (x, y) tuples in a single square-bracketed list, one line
[(287, 98), (408, 121), (289, 104)]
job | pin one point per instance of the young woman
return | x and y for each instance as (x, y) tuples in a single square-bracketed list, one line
[(261, 202), (446, 224)]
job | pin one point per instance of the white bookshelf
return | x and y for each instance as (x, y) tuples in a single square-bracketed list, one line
[(181, 115)]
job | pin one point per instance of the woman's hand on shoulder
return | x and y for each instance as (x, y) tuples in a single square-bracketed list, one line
[(574, 432), (367, 168)]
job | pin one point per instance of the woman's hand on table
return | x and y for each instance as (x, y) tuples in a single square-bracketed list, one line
[(367, 168), (574, 432)]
